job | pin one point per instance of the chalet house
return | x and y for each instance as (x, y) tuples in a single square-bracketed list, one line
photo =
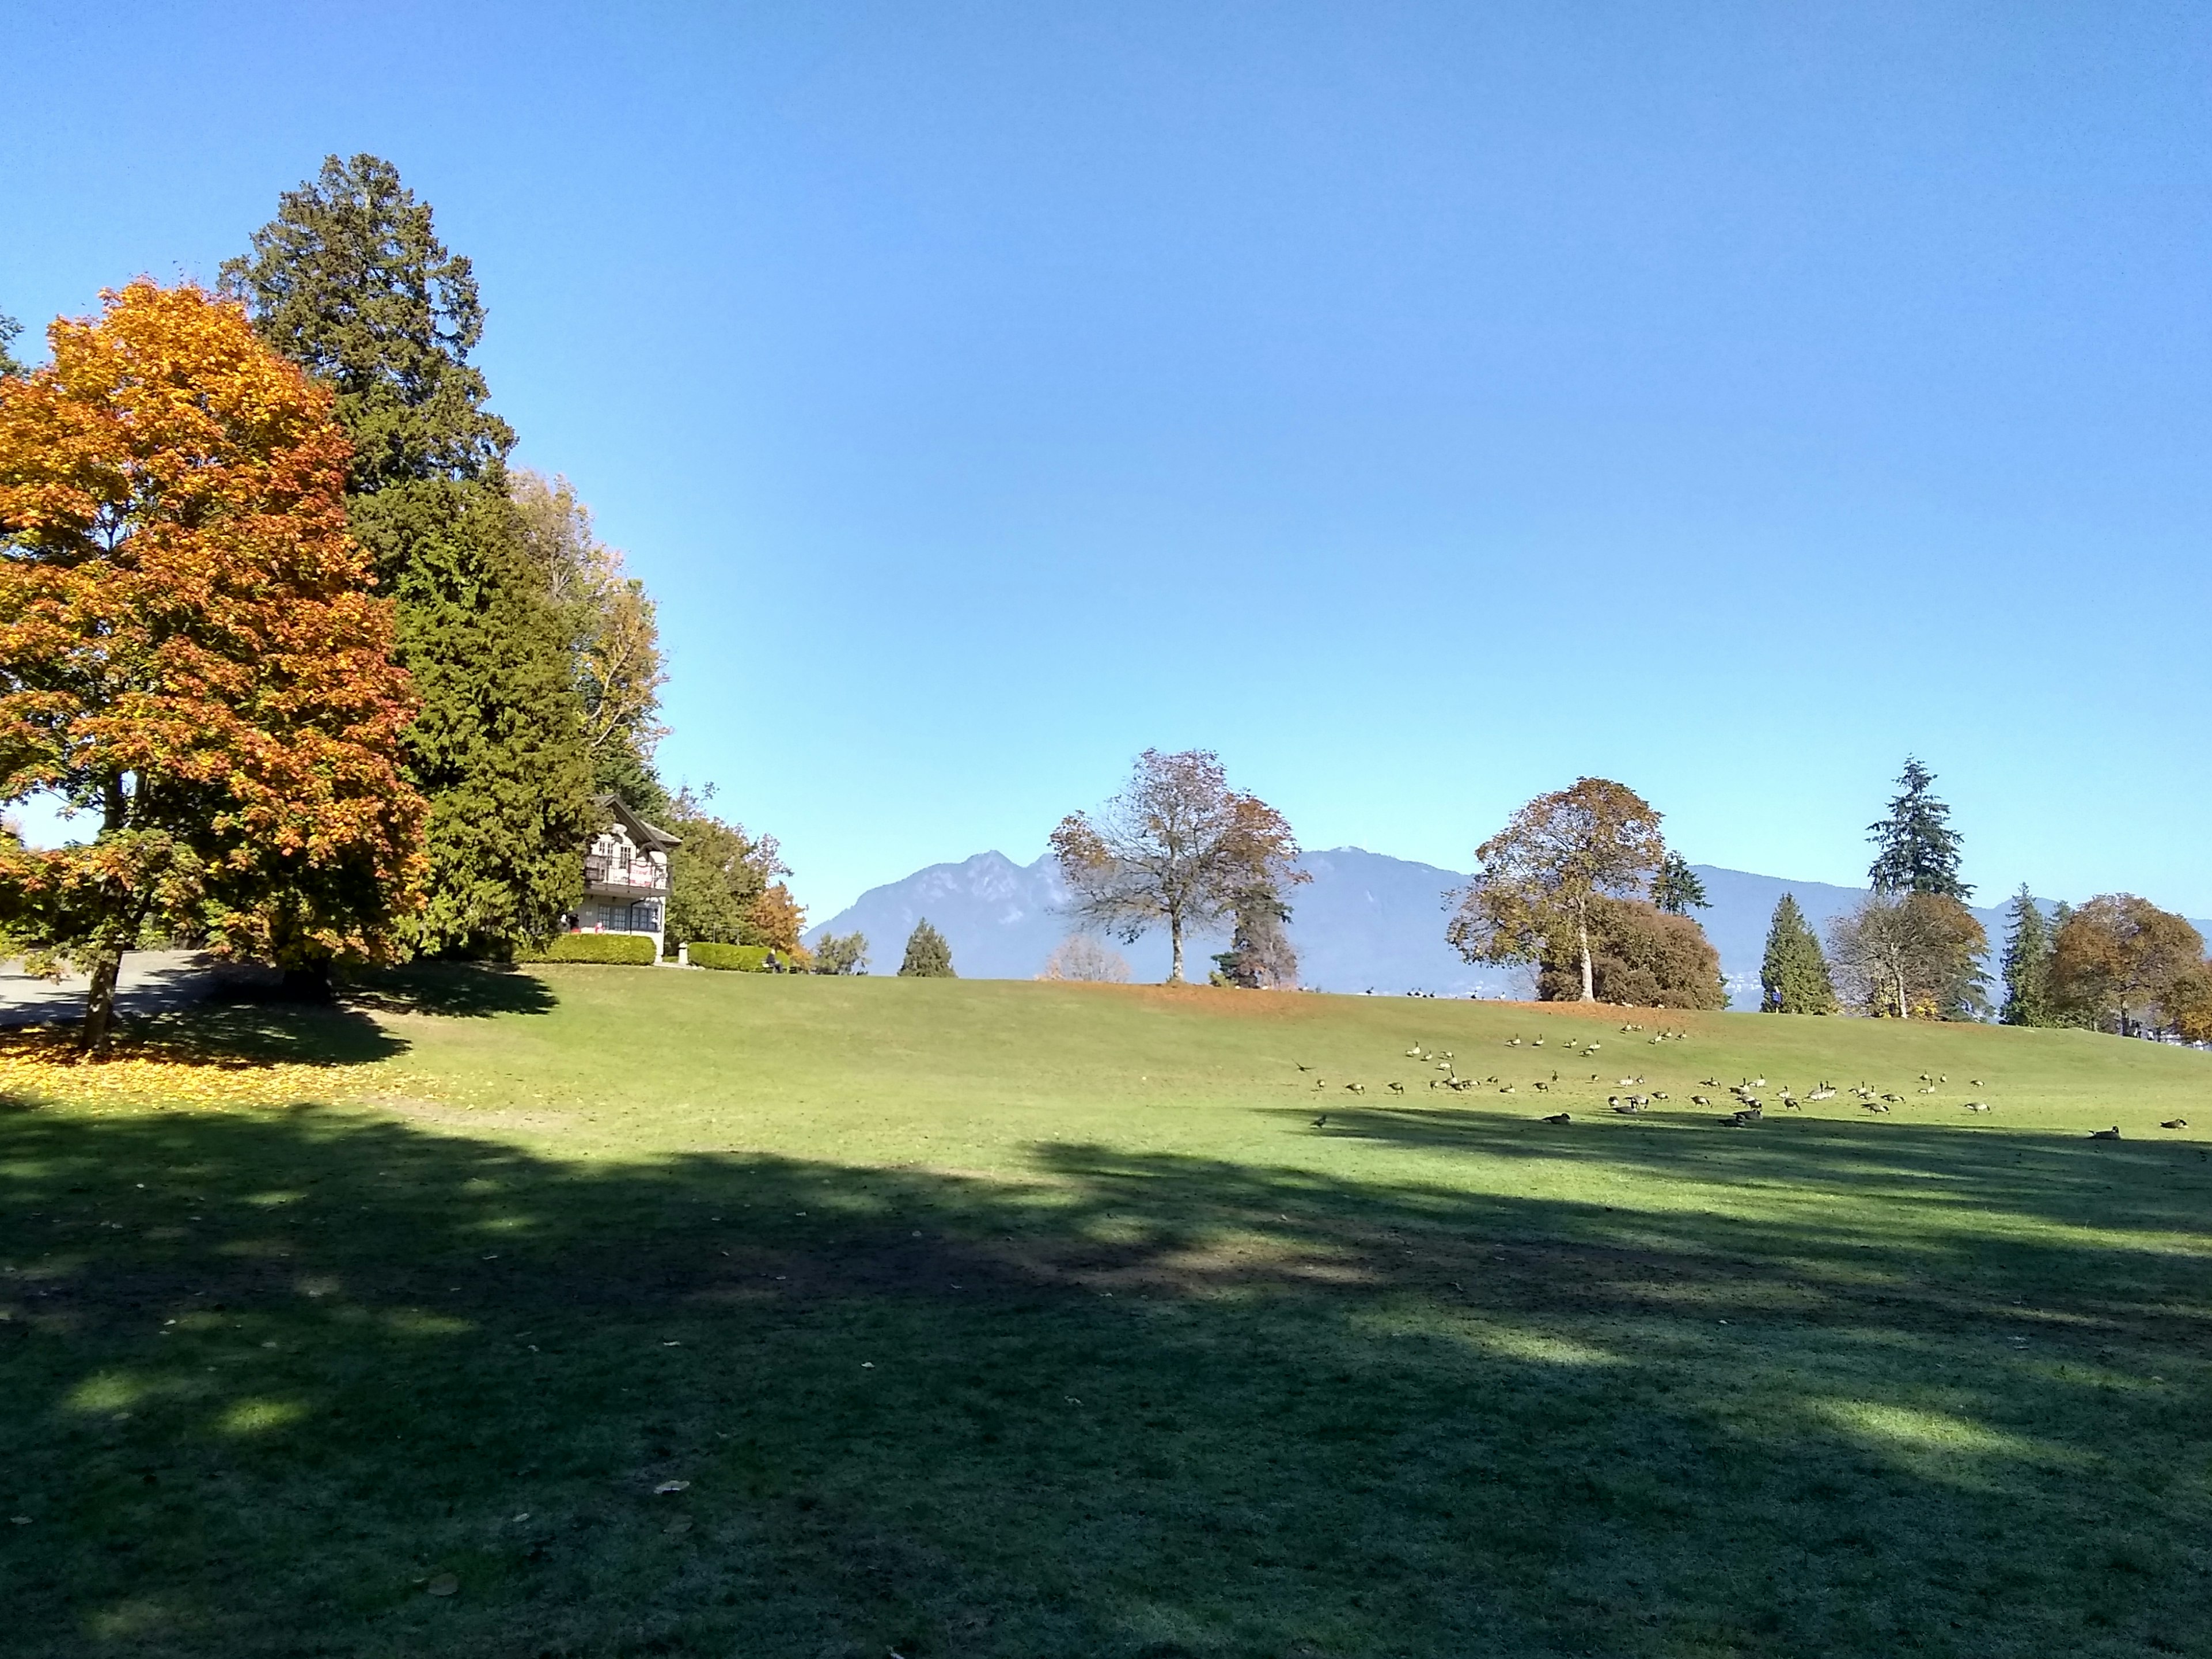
[(625, 874)]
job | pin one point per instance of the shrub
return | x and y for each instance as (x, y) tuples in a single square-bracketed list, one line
[(734, 959), (629, 950)]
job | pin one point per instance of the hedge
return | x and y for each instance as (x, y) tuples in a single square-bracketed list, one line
[(631, 950), (739, 959)]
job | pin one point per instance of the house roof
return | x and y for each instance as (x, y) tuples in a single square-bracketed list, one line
[(644, 835)]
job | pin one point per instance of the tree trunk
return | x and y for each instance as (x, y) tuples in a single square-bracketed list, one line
[(99, 999), (1174, 939), (1582, 932)]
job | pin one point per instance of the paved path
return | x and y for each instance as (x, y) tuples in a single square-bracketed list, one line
[(151, 980)]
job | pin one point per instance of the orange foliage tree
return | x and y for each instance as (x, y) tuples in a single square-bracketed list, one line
[(189, 648), (1543, 875)]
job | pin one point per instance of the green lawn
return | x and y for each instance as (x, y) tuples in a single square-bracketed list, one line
[(993, 1319)]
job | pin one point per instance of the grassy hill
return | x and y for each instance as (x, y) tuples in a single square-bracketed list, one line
[(608, 1311)]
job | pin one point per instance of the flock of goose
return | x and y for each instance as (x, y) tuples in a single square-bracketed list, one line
[(1750, 1094)]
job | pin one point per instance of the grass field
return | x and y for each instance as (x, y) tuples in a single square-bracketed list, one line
[(615, 1312)]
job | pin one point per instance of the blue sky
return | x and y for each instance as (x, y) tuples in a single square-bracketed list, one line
[(1423, 405)]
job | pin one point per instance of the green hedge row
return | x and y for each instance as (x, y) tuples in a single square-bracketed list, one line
[(737, 958), (632, 950)]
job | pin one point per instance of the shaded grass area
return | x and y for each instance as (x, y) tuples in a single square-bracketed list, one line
[(1427, 1380)]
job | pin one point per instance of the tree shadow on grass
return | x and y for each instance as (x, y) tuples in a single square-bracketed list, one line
[(252, 1024), (453, 990), (274, 1377)]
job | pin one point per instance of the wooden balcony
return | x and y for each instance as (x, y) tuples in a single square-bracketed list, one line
[(611, 877)]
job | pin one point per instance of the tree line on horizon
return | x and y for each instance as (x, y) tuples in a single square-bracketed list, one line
[(1580, 889), (336, 682)]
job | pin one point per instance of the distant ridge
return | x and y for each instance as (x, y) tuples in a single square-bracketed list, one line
[(1365, 922)]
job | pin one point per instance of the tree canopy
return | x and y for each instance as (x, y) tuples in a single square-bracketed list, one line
[(1676, 888), (2119, 956), (718, 876), (614, 635), (1912, 956), (1916, 849), (1176, 847), (1792, 976), (1639, 955), (927, 955), (1538, 877), (2027, 965), (351, 282), (190, 646)]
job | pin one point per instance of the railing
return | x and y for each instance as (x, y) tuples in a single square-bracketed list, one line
[(600, 870)]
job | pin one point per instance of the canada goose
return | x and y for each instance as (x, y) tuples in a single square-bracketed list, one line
[(1626, 1108), (2112, 1134), (1507, 1090), (1875, 1106), (1759, 1083), (1748, 1115), (1321, 1083), (1929, 1089), (1657, 1096), (1414, 1053), (1894, 1100), (1540, 1087), (1513, 1043), (1976, 1106), (1701, 1100), (1559, 1117), (1355, 1088), (1535, 1042), (2175, 1123), (1397, 1088)]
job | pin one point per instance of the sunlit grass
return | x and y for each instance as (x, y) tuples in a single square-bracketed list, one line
[(1018, 1320)]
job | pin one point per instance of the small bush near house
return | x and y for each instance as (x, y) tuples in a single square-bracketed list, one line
[(627, 949)]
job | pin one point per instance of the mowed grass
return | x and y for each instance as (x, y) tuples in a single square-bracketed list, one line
[(1019, 1320)]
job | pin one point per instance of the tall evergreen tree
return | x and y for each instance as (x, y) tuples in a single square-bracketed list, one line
[(1676, 888), (2027, 964), (1916, 849), (927, 955), (9, 328), (351, 281), (1794, 978)]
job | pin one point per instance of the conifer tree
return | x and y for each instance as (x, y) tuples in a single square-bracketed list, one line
[(927, 955), (1916, 849), (1794, 977), (351, 282), (9, 328), (2027, 964), (1676, 888)]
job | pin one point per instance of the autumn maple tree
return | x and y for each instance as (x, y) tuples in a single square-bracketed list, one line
[(191, 649)]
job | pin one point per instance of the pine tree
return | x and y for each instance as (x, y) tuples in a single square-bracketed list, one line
[(1794, 977), (351, 282), (1676, 888), (927, 955), (1916, 849), (2027, 964)]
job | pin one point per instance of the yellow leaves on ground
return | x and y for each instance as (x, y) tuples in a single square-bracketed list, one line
[(47, 1065)]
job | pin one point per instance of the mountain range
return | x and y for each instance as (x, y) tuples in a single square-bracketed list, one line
[(1365, 922)]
